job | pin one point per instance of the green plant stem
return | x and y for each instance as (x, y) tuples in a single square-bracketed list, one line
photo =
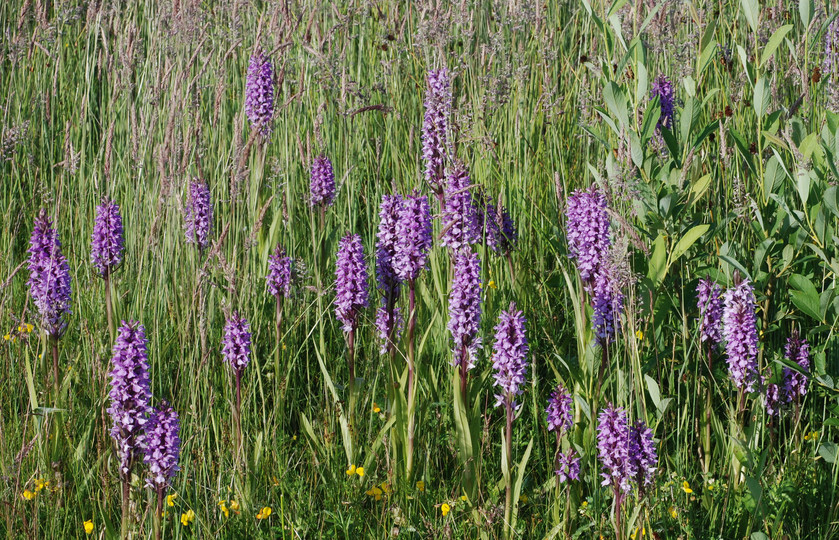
[(126, 496), (278, 342), (508, 480), (158, 513), (109, 310), (412, 321), (55, 373)]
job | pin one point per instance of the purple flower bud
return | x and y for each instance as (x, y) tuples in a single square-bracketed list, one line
[(560, 418), (435, 126), (795, 384), (350, 282), (162, 447), (569, 466), (495, 222), (259, 93), (613, 450), (130, 393), (322, 185), (773, 400), (607, 302), (664, 91), (107, 243), (642, 453), (740, 332), (587, 233), (509, 359), (388, 317), (413, 237), (460, 221), (709, 300), (236, 343), (279, 274), (465, 307), (198, 215), (49, 277)]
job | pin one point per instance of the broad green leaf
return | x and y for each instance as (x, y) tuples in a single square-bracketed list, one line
[(774, 42), (655, 392), (762, 97), (806, 303), (803, 185), (657, 265), (827, 450), (698, 188), (522, 468), (773, 175), (616, 101), (688, 240), (806, 11), (751, 10)]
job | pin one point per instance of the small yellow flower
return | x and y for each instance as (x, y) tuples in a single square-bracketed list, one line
[(492, 284), (523, 498), (711, 485), (234, 505), (635, 533), (283, 346), (445, 509), (812, 436), (224, 509), (421, 485), (376, 408), (29, 328), (28, 495), (88, 526), (274, 481), (187, 517), (264, 513), (351, 470), (585, 503), (464, 498), (170, 499), (375, 492), (640, 335), (673, 512), (39, 485), (360, 471), (7, 337), (686, 487), (385, 488)]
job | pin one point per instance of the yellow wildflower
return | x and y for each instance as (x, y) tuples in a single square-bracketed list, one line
[(274, 481), (224, 509), (29, 328), (640, 335), (28, 495), (464, 498), (360, 471), (283, 345), (351, 470), (170, 499), (445, 509), (8, 337), (711, 485), (523, 498), (264, 513), (492, 284), (234, 505), (421, 485), (187, 518), (673, 512), (376, 408), (812, 436), (88, 526), (385, 488), (642, 531), (686, 487), (374, 492), (39, 485)]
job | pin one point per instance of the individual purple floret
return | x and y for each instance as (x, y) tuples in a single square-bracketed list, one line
[(642, 453), (279, 274), (350, 282), (560, 418), (740, 332), (613, 449), (259, 93), (107, 243), (49, 277), (460, 220), (587, 233), (568, 466), (509, 359), (236, 343), (709, 301), (831, 49), (435, 139), (162, 447), (388, 317), (465, 308), (664, 91), (130, 394), (198, 214), (413, 240), (607, 302), (322, 185), (773, 400), (795, 384)]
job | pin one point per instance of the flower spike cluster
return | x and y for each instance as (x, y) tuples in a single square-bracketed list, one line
[(388, 317), (259, 93), (465, 307), (130, 394), (460, 220), (795, 384), (663, 89), (587, 232), (199, 214), (709, 300), (49, 277), (559, 410), (350, 282), (413, 240), (236, 343), (643, 454), (322, 184), (279, 274), (509, 359), (162, 446), (614, 450), (435, 126), (107, 243), (740, 332)]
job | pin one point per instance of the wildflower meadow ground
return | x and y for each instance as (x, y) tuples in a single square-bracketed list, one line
[(428, 269)]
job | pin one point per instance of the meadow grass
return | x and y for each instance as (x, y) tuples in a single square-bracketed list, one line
[(132, 101)]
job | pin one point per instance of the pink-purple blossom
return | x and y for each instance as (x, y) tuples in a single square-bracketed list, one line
[(465, 308), (162, 446), (509, 359), (350, 282), (107, 242), (259, 93), (236, 342), (740, 332)]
